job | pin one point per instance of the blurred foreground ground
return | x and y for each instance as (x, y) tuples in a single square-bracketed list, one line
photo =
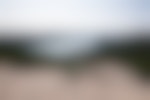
[(111, 81)]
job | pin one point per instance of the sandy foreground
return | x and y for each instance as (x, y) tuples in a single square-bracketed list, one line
[(111, 82)]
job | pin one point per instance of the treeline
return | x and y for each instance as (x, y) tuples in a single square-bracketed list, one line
[(136, 52)]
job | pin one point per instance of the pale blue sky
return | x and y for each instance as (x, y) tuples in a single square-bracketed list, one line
[(73, 13)]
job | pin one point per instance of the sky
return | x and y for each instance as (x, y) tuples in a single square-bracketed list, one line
[(73, 14)]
